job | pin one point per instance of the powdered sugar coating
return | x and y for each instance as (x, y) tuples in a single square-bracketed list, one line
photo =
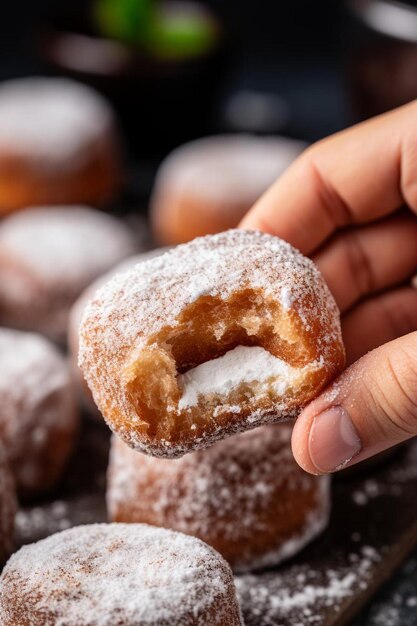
[(118, 574), (54, 123), (228, 168), (8, 507), (38, 416), (127, 314), (48, 255), (245, 496)]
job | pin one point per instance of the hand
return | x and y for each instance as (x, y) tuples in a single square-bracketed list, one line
[(342, 204)]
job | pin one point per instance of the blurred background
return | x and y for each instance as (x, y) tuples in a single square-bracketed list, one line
[(292, 50), (277, 67)]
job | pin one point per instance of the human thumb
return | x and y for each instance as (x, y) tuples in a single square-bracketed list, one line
[(370, 407)]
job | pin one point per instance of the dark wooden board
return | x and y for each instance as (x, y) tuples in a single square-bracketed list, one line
[(373, 528)]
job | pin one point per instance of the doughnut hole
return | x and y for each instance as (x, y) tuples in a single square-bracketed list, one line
[(207, 330)]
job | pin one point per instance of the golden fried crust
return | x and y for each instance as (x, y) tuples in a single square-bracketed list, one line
[(195, 304), (245, 496), (59, 144), (95, 183)]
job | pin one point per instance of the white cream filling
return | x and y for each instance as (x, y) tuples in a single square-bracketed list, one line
[(243, 364)]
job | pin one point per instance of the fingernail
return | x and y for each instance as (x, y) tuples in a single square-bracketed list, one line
[(333, 440)]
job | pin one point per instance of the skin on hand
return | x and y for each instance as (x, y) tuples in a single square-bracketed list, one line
[(342, 203)]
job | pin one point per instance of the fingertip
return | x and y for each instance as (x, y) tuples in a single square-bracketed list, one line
[(300, 442)]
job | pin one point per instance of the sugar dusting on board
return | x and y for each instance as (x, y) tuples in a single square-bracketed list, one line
[(268, 599), (355, 535)]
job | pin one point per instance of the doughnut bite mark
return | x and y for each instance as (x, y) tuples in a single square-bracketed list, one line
[(245, 496), (207, 186), (58, 145), (38, 415), (218, 336), (48, 256), (8, 507), (118, 575), (77, 312)]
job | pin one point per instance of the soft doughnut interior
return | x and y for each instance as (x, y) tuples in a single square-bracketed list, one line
[(189, 373)]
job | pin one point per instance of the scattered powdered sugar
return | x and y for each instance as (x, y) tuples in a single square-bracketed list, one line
[(42, 520), (234, 169), (395, 479), (54, 123), (302, 592), (126, 315), (230, 495), (396, 605), (243, 364), (105, 574)]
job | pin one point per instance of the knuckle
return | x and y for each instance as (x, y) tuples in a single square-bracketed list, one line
[(399, 318), (358, 263)]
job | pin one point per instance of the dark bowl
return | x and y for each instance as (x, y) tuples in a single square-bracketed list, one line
[(160, 103)]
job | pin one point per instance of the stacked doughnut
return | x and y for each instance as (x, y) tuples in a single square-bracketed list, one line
[(208, 185), (215, 337), (58, 144), (245, 496)]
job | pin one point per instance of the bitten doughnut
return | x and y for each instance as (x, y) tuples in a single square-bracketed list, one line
[(245, 496), (58, 144), (217, 336), (208, 185), (78, 309), (38, 416), (48, 256), (118, 574), (8, 506)]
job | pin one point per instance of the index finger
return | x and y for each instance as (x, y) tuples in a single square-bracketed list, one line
[(356, 176)]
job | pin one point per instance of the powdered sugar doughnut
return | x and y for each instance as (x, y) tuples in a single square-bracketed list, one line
[(48, 256), (208, 185), (8, 506), (38, 416), (78, 309), (245, 496), (217, 336), (124, 574), (58, 144)]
